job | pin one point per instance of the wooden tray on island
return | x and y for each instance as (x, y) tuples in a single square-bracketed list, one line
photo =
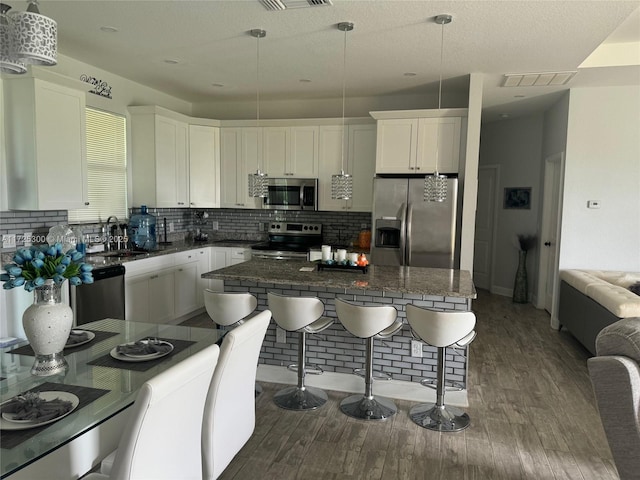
[(338, 266)]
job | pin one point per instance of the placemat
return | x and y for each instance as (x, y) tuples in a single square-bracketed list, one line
[(100, 335), (86, 395), (108, 361)]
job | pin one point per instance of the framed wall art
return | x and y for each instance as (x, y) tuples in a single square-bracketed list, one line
[(517, 198)]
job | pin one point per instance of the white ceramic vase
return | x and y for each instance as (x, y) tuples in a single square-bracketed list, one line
[(47, 323)]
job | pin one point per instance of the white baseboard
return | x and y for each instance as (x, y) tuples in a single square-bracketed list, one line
[(505, 292), (346, 382)]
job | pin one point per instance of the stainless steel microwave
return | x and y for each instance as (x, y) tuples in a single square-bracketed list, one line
[(292, 194)]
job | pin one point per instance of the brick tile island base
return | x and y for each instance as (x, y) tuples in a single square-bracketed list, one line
[(335, 350)]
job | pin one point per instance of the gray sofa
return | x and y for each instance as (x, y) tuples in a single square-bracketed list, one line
[(615, 376), (590, 300)]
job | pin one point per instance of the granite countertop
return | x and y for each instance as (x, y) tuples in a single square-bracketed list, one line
[(418, 280), (101, 260)]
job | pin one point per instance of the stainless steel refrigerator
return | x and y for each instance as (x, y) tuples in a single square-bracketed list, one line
[(409, 231)]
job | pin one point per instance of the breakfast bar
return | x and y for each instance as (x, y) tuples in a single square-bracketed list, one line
[(335, 351)]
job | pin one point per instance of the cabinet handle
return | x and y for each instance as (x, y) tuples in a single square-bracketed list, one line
[(417, 168), (86, 203), (179, 269), (411, 168), (153, 276), (193, 203)]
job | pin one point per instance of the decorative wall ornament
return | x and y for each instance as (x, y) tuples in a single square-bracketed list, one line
[(101, 87)]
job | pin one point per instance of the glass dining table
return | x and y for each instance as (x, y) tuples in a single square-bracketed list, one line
[(106, 386)]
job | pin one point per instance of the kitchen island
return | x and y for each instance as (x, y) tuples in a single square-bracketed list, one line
[(335, 350)]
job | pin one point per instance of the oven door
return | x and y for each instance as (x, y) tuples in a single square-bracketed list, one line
[(291, 194)]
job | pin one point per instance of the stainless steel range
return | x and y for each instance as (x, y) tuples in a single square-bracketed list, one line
[(289, 241)]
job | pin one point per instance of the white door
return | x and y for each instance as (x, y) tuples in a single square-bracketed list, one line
[(551, 211), (485, 223)]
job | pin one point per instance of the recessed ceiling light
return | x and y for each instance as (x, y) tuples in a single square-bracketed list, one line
[(504, 115), (409, 74), (171, 61), (108, 29), (217, 85), (305, 80)]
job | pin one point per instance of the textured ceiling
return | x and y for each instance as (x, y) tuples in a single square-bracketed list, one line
[(210, 42)]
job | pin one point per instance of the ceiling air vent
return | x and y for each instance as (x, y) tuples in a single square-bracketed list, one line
[(548, 79), (287, 4)]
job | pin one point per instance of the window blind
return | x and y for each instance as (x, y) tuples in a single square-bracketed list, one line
[(106, 168)]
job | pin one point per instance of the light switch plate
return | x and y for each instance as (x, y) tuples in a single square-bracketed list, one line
[(214, 225), (593, 204)]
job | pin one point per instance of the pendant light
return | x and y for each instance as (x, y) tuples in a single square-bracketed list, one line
[(435, 186), (342, 183), (34, 37), (258, 181), (8, 62)]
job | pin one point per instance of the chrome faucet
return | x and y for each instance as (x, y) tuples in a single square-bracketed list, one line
[(108, 244)]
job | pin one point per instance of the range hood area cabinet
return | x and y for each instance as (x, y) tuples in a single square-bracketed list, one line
[(45, 135), (170, 158), (359, 161), (409, 142), (290, 152)]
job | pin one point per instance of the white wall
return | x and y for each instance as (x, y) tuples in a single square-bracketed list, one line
[(124, 92), (516, 146), (602, 163), (323, 107)]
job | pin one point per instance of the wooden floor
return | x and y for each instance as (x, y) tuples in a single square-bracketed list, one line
[(531, 406)]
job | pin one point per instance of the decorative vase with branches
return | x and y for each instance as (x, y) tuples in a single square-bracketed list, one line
[(521, 286)]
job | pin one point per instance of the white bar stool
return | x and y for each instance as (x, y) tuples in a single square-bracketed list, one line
[(441, 330), (229, 308), (368, 322), (302, 315)]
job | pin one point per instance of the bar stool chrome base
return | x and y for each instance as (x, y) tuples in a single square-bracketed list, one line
[(439, 418), (368, 408), (296, 398)]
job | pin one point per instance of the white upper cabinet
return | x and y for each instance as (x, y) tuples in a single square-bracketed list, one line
[(414, 145), (204, 166), (46, 144), (159, 159), (239, 148), (290, 151), (175, 161), (359, 161)]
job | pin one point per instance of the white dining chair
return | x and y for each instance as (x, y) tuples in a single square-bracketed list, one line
[(161, 440), (230, 411)]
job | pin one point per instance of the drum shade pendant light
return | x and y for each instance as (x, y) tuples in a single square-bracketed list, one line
[(435, 185), (8, 62), (258, 181), (342, 183), (33, 37)]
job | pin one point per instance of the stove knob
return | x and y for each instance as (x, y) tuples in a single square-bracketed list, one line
[(305, 227), (315, 228), (273, 226)]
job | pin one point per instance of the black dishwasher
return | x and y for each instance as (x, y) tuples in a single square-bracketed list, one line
[(104, 298)]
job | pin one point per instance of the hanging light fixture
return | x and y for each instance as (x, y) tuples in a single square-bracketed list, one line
[(34, 37), (342, 183), (435, 185), (8, 62), (258, 181)]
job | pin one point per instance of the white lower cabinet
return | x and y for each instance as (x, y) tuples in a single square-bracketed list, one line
[(187, 283), (165, 288), (161, 296), (149, 290)]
